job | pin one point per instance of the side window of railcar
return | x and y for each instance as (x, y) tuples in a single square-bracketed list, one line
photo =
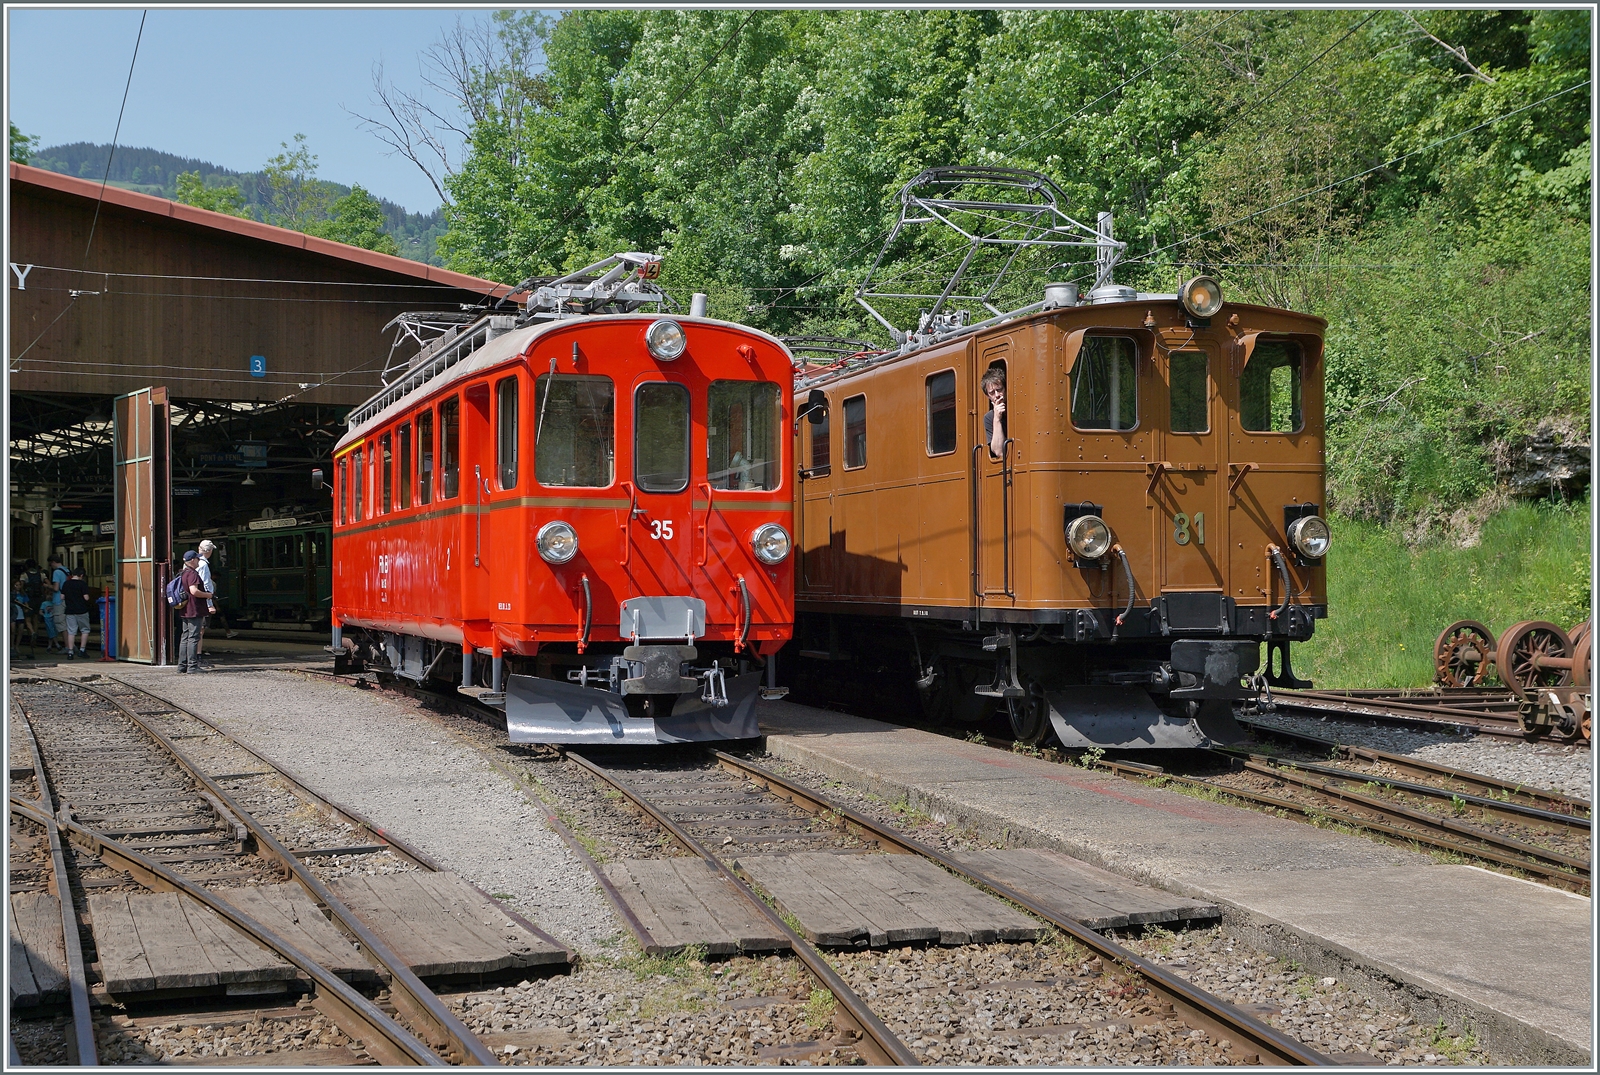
[(360, 476), (1269, 389), (661, 437), (942, 413), (1105, 387), (855, 432), (425, 457), (449, 447), (821, 449), (405, 465), (505, 445), (742, 427), (344, 490), (575, 431), (386, 473), (1186, 392)]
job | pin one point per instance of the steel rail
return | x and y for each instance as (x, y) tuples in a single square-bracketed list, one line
[(1505, 811), (1425, 838), (1196, 1005), (385, 1039), (1543, 798), (878, 1044), (81, 1049), (1539, 855), (419, 1003), (1397, 712)]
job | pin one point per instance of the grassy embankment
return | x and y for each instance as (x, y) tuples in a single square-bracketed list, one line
[(1387, 601)]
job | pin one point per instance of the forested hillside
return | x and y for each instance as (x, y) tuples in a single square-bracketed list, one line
[(151, 171), (1420, 180)]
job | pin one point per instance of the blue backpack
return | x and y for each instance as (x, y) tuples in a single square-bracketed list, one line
[(177, 592)]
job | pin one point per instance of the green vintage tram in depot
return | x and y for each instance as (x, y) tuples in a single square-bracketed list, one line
[(271, 572)]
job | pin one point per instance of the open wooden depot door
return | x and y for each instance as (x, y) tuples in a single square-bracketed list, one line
[(141, 456)]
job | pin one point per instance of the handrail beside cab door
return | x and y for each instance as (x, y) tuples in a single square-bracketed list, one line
[(1007, 476)]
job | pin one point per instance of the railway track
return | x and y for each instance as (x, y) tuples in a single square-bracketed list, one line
[(718, 819), (139, 813), (819, 820), (1464, 710)]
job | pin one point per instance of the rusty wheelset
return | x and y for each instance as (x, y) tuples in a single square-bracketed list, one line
[(1547, 669)]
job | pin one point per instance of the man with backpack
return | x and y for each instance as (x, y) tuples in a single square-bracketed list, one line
[(34, 585), (75, 600), (192, 611)]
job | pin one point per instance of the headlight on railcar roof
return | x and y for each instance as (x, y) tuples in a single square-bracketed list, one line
[(665, 340), (770, 543), (557, 542), (1089, 537), (1310, 536), (1202, 296)]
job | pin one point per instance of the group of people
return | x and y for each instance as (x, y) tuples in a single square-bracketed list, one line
[(54, 601), (196, 581)]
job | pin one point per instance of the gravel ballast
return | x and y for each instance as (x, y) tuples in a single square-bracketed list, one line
[(382, 755)]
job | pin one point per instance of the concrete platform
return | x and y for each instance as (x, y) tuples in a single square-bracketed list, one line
[(1509, 958)]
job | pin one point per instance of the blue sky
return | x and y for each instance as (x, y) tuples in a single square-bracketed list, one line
[(225, 85)]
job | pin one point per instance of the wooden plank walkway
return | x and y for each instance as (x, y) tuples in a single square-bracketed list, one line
[(152, 942), (292, 914), (38, 958), (880, 900), (1097, 898), (440, 925), (683, 902)]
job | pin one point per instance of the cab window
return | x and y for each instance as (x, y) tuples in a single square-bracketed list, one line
[(661, 437), (405, 465), (855, 432), (1269, 389), (743, 421), (1105, 388), (425, 457), (821, 450), (344, 490), (574, 431), (505, 448), (449, 447), (1186, 392), (386, 472), (941, 404)]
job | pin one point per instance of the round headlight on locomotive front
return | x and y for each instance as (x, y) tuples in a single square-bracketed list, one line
[(665, 340), (1089, 537), (1202, 296), (770, 543), (1310, 536), (557, 542)]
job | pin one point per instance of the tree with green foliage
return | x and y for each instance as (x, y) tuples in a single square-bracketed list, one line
[(294, 196), (192, 190), (356, 219), (22, 145)]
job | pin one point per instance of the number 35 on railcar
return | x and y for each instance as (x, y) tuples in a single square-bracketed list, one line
[(1107, 567), (584, 507)]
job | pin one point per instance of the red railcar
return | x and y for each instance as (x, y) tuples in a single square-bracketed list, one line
[(591, 514)]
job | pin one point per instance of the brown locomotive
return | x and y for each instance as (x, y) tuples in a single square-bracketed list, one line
[(1151, 518)]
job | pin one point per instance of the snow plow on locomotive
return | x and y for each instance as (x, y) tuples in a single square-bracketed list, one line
[(585, 508), (1085, 516)]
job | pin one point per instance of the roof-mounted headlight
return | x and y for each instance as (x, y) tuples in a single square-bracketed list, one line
[(770, 543), (557, 542), (1088, 537), (1202, 296), (1310, 536), (665, 340)]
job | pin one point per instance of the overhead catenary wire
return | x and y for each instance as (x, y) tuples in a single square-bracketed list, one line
[(1280, 87), (737, 30)]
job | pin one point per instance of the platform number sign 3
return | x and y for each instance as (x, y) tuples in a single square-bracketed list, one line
[(258, 365), (661, 529), (1181, 528)]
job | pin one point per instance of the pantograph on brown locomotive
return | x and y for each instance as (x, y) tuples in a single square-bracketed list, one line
[(1109, 567)]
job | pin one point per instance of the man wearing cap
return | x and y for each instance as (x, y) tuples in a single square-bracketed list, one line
[(192, 613), (203, 566)]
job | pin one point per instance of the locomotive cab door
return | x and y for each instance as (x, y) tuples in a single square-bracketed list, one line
[(1188, 492), (661, 548), (477, 492), (993, 489)]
